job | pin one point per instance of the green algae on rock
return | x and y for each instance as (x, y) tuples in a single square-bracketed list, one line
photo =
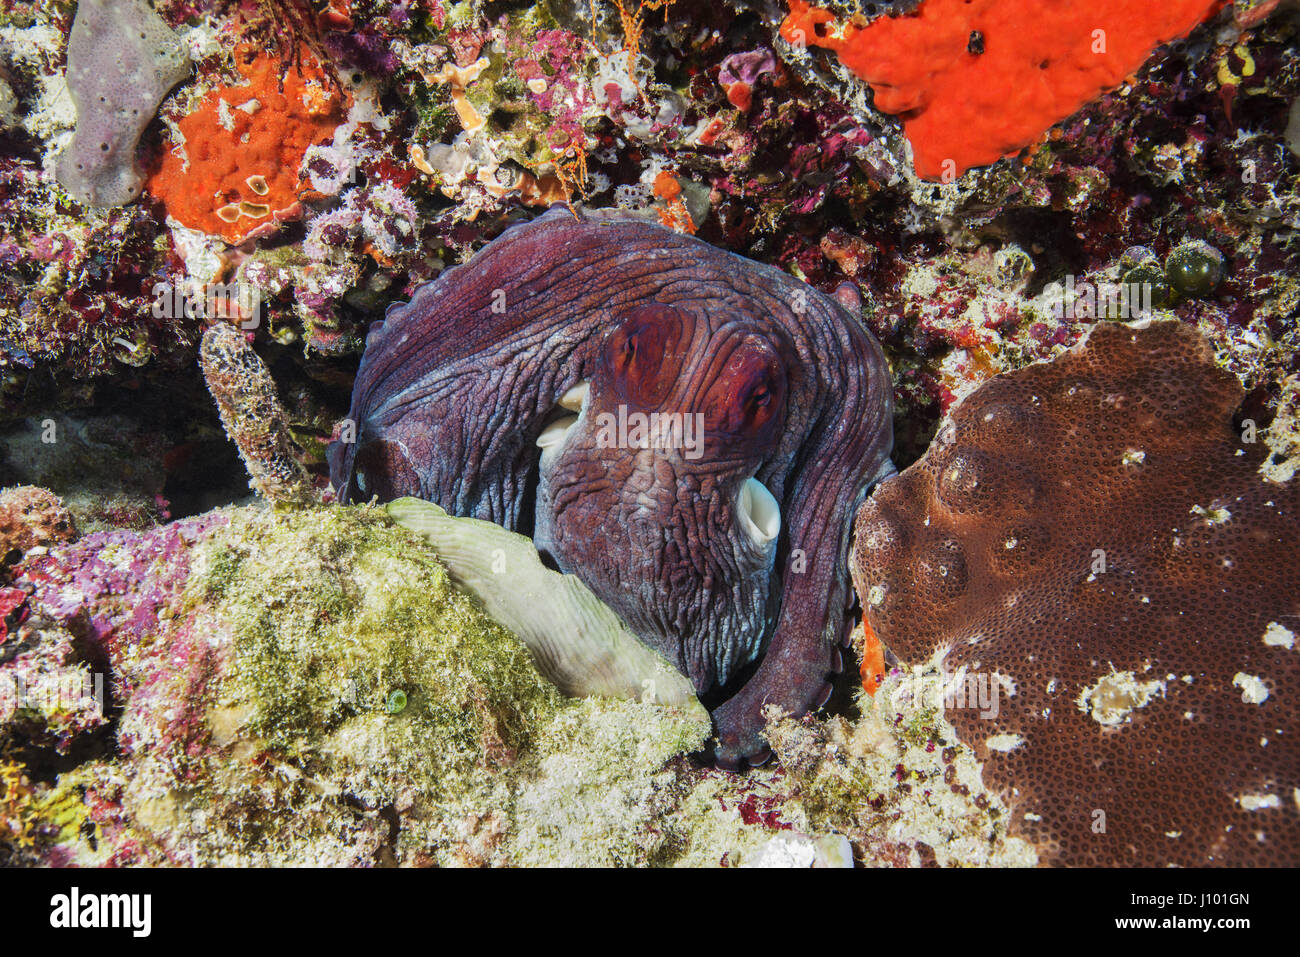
[(258, 725), (333, 608), (330, 610)]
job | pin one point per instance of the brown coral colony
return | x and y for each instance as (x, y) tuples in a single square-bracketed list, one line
[(1094, 538)]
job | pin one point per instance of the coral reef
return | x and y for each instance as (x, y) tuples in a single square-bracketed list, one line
[(800, 171), (1090, 545), (252, 659), (194, 628), (1163, 183)]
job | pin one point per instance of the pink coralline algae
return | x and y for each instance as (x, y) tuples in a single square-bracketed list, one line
[(114, 587), (551, 68), (13, 610), (86, 615)]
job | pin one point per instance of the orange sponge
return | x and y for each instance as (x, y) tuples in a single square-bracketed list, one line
[(977, 80), (236, 174)]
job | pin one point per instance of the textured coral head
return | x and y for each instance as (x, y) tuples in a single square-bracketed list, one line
[(1091, 555), (649, 474)]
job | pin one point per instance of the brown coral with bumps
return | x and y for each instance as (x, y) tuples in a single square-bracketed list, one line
[(1091, 539)]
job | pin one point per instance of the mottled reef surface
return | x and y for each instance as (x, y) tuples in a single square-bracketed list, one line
[(302, 684)]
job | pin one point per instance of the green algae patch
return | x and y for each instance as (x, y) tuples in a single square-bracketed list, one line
[(323, 694), (334, 614)]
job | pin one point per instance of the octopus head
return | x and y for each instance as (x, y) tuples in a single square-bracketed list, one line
[(648, 487)]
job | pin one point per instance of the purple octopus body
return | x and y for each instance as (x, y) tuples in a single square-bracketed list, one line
[(686, 431)]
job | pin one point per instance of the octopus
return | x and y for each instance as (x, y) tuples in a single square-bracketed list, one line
[(686, 431)]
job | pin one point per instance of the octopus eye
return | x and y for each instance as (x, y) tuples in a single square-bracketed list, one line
[(757, 403), (642, 356), (627, 352), (748, 394)]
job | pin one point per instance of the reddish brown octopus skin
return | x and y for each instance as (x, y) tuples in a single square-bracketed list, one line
[(457, 386), (984, 552)]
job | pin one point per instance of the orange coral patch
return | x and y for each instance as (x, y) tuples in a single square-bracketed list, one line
[(236, 174), (673, 213), (666, 185), (872, 671), (977, 80)]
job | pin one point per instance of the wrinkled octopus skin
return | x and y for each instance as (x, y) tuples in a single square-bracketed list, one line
[(720, 537)]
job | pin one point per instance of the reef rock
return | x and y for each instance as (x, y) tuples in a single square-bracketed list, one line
[(29, 517), (303, 687)]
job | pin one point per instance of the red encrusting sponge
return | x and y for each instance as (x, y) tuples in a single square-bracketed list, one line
[(977, 80)]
